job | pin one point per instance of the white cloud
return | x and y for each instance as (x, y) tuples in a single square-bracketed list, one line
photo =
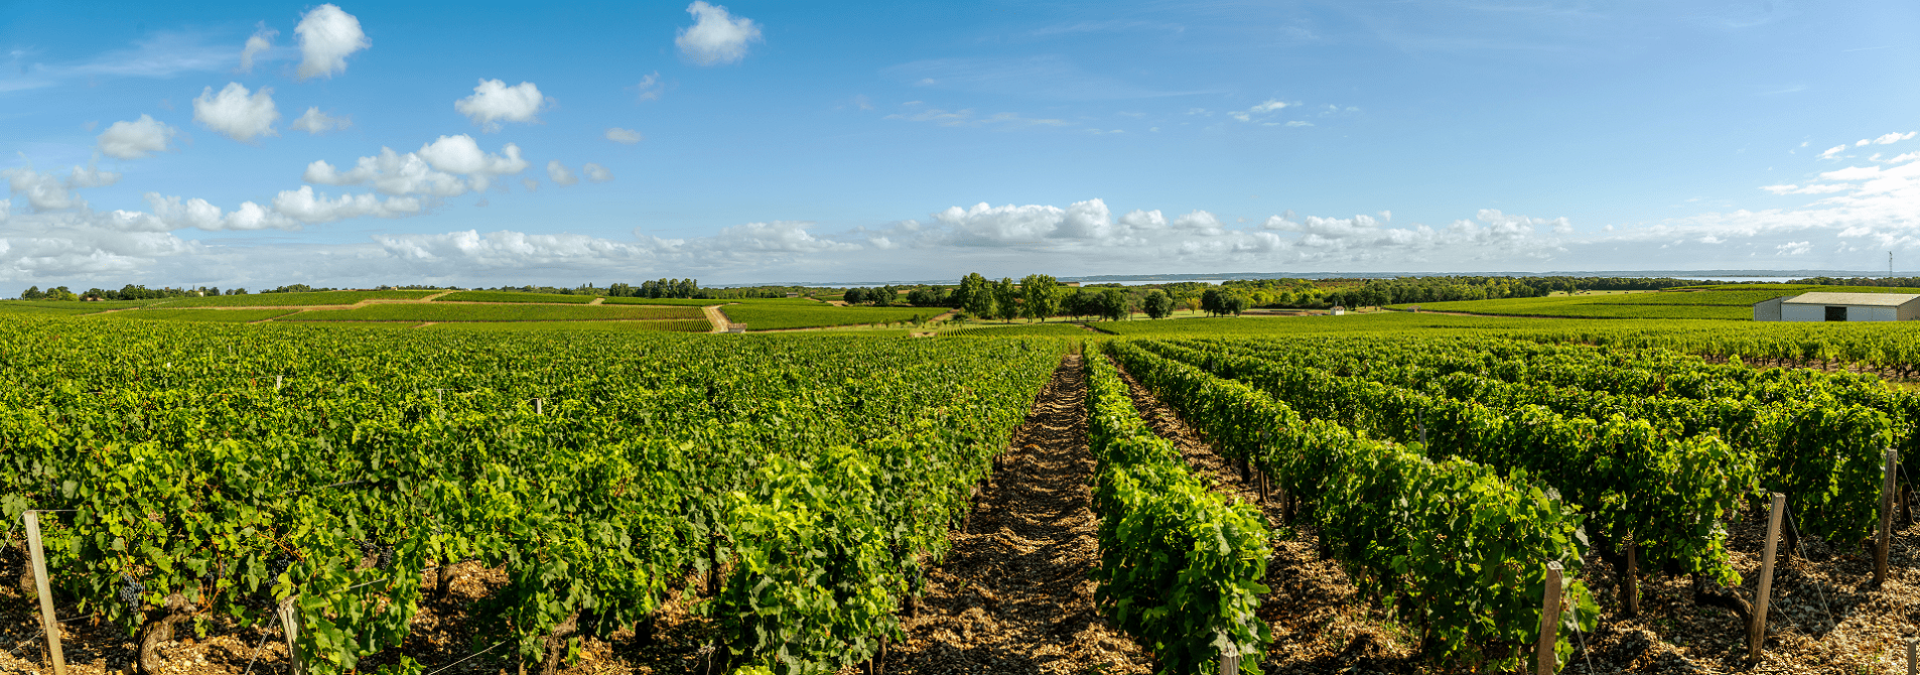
[(316, 122), (1833, 151), (327, 37), (1247, 115), (390, 173), (44, 191), (966, 118), (715, 37), (650, 87), (778, 236), (236, 114), (262, 40), (1199, 222), (559, 173), (91, 176), (1889, 139), (6, 209), (1298, 123), (461, 154), (178, 214), (1794, 247), (532, 185), (619, 135), (307, 207), (596, 173), (494, 102), (435, 170), (136, 139)]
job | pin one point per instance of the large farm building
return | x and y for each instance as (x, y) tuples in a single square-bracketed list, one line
[(1839, 307)]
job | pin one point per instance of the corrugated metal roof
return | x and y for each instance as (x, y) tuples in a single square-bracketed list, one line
[(1866, 299)]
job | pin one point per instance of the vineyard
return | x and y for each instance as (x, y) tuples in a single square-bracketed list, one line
[(1400, 493)]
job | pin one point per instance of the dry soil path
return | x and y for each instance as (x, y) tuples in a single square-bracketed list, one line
[(1014, 595)]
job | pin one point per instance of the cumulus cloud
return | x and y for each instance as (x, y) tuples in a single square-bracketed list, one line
[(559, 173), (1833, 151), (446, 167), (716, 37), (627, 136), (91, 176), (1794, 247), (177, 214), (135, 139), (596, 173), (783, 236), (493, 102), (262, 40), (6, 209), (43, 191), (235, 113), (306, 206), (327, 37), (316, 122)]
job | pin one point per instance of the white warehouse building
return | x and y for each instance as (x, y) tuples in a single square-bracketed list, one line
[(1839, 307)]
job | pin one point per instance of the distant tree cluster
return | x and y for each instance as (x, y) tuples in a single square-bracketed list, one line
[(1901, 282), (128, 292)]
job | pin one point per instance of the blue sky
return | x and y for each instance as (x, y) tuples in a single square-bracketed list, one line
[(755, 141)]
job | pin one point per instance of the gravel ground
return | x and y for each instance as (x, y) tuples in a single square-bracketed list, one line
[(1013, 596)]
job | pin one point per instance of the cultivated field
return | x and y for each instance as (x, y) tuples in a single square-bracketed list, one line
[(567, 489)]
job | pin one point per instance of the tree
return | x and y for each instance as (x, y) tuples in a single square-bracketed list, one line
[(854, 296), (975, 296), (1233, 303), (1159, 305), (1042, 296), (1006, 300), (1210, 301), (32, 293), (927, 297), (1115, 304)]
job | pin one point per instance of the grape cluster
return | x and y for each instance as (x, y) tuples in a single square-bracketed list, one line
[(130, 592), (278, 566), (382, 553)]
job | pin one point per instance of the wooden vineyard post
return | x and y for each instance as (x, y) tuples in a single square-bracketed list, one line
[(1229, 664), (290, 625), (1883, 539), (1757, 632), (276, 381), (1913, 656), (1630, 580), (537, 405), (48, 622), (1544, 658)]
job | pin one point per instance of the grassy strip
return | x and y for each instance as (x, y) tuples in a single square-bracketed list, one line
[(667, 326), (201, 315), (513, 296), (814, 315), (498, 312), (294, 299), (1017, 330)]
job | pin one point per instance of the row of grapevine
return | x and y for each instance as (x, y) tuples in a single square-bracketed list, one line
[(1659, 490), (1450, 545), (1816, 447), (1182, 566), (213, 473)]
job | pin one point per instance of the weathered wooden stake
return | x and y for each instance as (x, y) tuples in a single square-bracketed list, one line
[(1913, 656), (290, 625), (1229, 664), (1884, 538), (1757, 631), (536, 405), (1544, 658), (276, 381), (48, 623), (1630, 580)]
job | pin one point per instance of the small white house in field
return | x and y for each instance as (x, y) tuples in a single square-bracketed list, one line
[(1839, 307)]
